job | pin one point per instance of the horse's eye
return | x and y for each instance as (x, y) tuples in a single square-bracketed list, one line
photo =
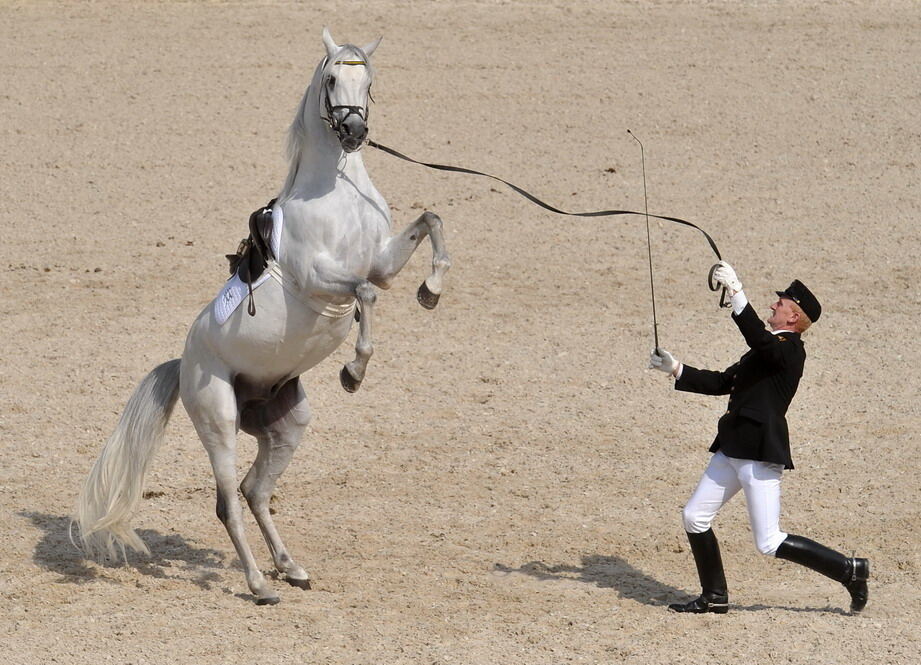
[(331, 82)]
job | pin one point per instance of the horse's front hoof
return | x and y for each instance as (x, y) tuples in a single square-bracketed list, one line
[(349, 382), (268, 600), (299, 583), (426, 298)]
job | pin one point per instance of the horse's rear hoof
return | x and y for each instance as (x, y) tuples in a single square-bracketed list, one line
[(349, 382), (300, 584), (426, 298), (271, 600)]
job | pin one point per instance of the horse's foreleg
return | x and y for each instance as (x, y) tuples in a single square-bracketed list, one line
[(278, 425), (400, 247), (353, 373), (329, 280), (212, 406)]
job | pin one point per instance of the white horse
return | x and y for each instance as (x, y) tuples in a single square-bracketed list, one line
[(332, 244)]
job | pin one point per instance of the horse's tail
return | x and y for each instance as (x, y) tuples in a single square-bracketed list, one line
[(113, 488)]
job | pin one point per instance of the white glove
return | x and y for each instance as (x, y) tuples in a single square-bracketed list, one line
[(663, 361), (726, 275)]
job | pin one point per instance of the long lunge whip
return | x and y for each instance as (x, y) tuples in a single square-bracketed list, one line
[(533, 199), (652, 286)]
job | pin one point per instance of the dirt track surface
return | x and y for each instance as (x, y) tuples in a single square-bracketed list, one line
[(506, 486)]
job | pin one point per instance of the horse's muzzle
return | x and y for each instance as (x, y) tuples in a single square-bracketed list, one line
[(352, 133)]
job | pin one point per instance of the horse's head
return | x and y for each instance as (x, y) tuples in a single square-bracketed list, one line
[(345, 90)]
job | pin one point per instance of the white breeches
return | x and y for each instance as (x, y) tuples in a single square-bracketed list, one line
[(724, 477)]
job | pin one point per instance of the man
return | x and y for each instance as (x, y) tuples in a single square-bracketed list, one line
[(752, 446)]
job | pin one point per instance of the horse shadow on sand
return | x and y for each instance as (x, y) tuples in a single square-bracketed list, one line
[(614, 572), (172, 557)]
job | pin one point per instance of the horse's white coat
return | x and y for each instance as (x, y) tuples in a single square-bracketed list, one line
[(240, 371)]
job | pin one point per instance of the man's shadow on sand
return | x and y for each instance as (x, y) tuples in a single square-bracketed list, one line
[(613, 572), (169, 554), (606, 572)]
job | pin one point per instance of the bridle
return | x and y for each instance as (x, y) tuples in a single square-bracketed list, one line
[(330, 118)]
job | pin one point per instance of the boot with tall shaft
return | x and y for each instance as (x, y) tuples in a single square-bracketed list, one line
[(714, 596), (852, 572)]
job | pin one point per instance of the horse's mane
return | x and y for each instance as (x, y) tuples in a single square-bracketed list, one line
[(296, 140)]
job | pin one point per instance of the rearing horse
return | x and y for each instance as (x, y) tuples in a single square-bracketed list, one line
[(332, 246)]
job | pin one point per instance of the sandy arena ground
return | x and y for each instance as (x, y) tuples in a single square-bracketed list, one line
[(506, 486)]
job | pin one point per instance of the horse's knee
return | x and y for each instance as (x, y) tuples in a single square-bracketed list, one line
[(431, 219), (366, 294)]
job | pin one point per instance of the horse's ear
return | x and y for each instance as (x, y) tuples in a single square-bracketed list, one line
[(331, 47), (369, 48)]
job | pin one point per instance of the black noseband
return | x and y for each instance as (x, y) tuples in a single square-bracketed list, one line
[(336, 124), (330, 117)]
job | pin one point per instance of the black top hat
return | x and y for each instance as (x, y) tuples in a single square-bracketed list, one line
[(798, 293)]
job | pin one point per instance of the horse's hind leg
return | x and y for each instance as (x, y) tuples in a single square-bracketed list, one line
[(278, 425), (212, 406), (400, 247)]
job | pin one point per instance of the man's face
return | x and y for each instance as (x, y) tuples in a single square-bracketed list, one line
[(783, 315)]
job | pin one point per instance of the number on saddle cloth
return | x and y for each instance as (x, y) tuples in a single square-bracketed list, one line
[(253, 253)]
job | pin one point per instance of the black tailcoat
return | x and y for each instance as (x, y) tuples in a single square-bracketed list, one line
[(760, 387)]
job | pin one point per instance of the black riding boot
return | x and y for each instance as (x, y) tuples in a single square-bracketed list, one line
[(714, 596), (853, 573)]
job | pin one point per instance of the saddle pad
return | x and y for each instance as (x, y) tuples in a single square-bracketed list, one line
[(235, 290)]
